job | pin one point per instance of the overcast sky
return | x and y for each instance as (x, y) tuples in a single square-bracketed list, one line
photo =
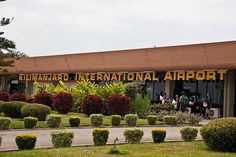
[(49, 27)]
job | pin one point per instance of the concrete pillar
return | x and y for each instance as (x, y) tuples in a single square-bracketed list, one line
[(169, 88), (229, 84)]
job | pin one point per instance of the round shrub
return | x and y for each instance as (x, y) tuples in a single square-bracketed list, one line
[(30, 122), (5, 123), (131, 89), (96, 119), (118, 104), (36, 110), (4, 96), (43, 98), (92, 104), (100, 137), (63, 102), (188, 134), (131, 119), (170, 120), (158, 135), (74, 121), (54, 121), (13, 108), (18, 97), (133, 135), (115, 120), (220, 134), (61, 138), (151, 119), (25, 141)]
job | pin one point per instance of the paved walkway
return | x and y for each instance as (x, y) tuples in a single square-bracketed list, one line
[(83, 136)]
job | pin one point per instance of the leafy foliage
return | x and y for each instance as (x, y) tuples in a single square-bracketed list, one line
[(133, 135), (92, 104), (220, 134), (18, 97), (96, 119), (151, 119), (36, 110), (26, 141), (13, 108), (141, 106), (131, 89), (4, 96), (74, 121), (108, 90), (43, 98), (100, 137), (158, 135), (131, 119), (119, 104), (54, 121), (170, 120), (61, 138), (30, 122), (5, 123), (63, 102), (115, 120), (188, 134)]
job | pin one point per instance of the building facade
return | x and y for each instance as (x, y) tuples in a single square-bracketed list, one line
[(195, 69)]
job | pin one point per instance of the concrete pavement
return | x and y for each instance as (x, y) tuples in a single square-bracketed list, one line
[(83, 136)]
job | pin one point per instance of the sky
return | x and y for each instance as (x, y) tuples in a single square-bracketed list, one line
[(50, 27)]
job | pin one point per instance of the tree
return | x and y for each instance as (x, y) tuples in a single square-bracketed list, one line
[(8, 53)]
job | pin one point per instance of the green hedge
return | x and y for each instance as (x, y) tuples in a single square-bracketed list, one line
[(13, 108), (158, 135), (115, 120), (30, 122), (36, 110), (151, 119), (170, 120), (189, 134), (61, 138), (5, 123), (74, 121), (54, 121), (96, 119), (100, 137), (220, 134), (133, 135), (131, 119), (25, 141)]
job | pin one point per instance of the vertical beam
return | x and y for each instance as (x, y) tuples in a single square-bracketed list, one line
[(169, 88), (228, 106)]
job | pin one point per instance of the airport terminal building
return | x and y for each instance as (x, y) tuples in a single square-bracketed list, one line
[(197, 68)]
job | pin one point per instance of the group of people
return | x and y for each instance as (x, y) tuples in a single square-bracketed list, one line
[(182, 102)]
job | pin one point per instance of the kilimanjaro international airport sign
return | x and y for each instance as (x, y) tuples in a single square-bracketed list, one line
[(129, 76)]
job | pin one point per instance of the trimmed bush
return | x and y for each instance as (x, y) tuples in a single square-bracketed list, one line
[(100, 137), (194, 119), (74, 121), (63, 102), (4, 96), (13, 108), (220, 134), (92, 104), (158, 135), (25, 141), (18, 97), (96, 119), (43, 98), (189, 134), (36, 110), (151, 119), (118, 104), (54, 121), (115, 120), (61, 138), (170, 120), (5, 123), (30, 122), (131, 119), (133, 135)]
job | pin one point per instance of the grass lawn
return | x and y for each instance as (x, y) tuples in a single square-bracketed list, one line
[(18, 123), (175, 149)]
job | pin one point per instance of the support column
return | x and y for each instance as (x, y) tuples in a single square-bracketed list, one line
[(229, 81), (169, 88)]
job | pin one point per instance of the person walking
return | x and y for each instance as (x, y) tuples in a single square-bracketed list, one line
[(208, 105), (183, 102)]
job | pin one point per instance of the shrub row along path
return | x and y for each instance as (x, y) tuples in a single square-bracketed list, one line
[(83, 136)]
